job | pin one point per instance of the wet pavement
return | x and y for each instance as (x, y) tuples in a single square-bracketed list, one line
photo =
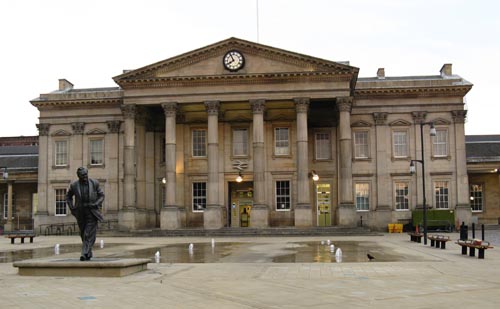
[(246, 274)]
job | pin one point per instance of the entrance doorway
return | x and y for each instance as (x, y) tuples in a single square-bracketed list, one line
[(323, 203), (240, 204)]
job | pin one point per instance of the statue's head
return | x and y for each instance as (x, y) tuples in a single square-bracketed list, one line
[(82, 173)]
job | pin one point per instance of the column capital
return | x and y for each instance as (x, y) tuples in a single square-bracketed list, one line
[(78, 127), (418, 117), (258, 105), (212, 107), (114, 126), (380, 118), (459, 116), (344, 104), (170, 109), (301, 105), (43, 129), (128, 111)]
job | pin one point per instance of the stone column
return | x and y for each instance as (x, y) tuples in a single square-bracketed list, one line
[(140, 167), (463, 211), (112, 150), (41, 216), (346, 209), (303, 209), (260, 211), (8, 226), (212, 216), (382, 214), (170, 215), (126, 217), (78, 128)]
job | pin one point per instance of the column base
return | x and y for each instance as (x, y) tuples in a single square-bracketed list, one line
[(8, 227), (380, 218), (127, 219), (463, 213), (346, 215), (303, 215), (170, 218), (212, 217), (259, 216)]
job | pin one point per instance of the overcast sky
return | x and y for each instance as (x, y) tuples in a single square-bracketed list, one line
[(89, 42)]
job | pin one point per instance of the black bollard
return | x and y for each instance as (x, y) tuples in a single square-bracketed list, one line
[(361, 220), (482, 232), (473, 230)]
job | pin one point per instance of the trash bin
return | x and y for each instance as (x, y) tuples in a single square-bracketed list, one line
[(464, 232)]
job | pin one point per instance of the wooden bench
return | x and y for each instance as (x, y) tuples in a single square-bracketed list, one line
[(416, 237), (474, 244), (13, 236), (438, 240)]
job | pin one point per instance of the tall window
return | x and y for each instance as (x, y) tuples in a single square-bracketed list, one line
[(361, 144), (61, 202), (6, 205), (96, 151), (402, 199), (362, 196), (476, 194), (283, 197), (61, 153), (199, 143), (240, 142), (400, 144), (281, 141), (440, 143), (199, 196), (323, 146), (441, 193)]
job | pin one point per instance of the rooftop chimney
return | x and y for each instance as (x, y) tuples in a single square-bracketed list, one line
[(381, 73), (65, 85), (446, 70)]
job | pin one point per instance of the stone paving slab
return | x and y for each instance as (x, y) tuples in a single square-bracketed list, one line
[(441, 279)]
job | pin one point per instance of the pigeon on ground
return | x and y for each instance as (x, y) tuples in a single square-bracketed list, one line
[(370, 257)]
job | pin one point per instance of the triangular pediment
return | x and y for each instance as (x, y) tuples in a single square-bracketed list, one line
[(440, 122), (96, 132), (206, 64), (61, 132), (361, 123), (400, 123)]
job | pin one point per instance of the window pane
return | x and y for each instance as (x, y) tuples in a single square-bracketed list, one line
[(6, 205), (441, 194), (199, 143), (323, 148), (362, 196), (402, 200), (476, 194), (440, 143), (361, 144), (283, 195), (281, 146), (61, 153), (400, 144), (240, 142), (60, 202), (96, 152), (199, 196)]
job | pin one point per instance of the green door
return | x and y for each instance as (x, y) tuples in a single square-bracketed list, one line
[(323, 202)]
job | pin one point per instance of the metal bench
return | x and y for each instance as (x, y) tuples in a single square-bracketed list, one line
[(415, 236), (21, 235), (439, 241), (474, 244)]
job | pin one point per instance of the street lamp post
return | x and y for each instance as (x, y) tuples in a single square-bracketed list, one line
[(422, 162)]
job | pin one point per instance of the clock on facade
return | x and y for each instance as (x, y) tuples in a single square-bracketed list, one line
[(233, 60)]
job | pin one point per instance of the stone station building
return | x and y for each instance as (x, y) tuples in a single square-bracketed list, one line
[(169, 143)]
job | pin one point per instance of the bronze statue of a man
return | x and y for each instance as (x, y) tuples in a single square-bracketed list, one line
[(88, 199)]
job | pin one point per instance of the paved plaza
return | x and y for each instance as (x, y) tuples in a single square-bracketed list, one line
[(424, 277)]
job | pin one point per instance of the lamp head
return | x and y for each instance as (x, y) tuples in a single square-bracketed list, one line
[(412, 167), (5, 174), (433, 130), (315, 177), (239, 178)]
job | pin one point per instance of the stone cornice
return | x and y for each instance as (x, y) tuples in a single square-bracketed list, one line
[(412, 91), (88, 103), (234, 79)]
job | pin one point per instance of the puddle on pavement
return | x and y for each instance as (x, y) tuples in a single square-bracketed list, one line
[(230, 252)]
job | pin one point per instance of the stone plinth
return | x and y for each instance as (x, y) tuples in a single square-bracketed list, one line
[(97, 267), (259, 217)]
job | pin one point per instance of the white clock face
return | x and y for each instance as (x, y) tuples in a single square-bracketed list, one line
[(233, 60)]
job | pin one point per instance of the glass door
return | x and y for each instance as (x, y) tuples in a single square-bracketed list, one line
[(323, 202)]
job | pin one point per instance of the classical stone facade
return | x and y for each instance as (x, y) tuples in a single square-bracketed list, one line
[(169, 143)]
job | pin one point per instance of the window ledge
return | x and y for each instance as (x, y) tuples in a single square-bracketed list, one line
[(441, 158), (60, 167)]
